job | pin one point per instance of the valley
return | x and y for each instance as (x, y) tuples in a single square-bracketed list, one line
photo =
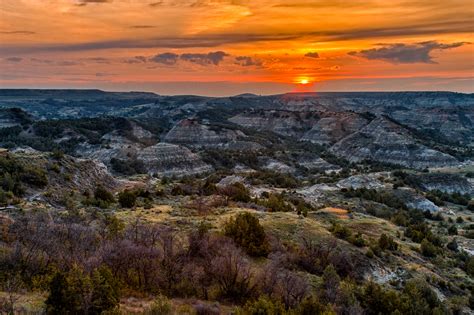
[(300, 203)]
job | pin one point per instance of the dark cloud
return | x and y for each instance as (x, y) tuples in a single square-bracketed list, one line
[(247, 61), (98, 60), (164, 42), (17, 32), (13, 59), (194, 3), (405, 53), (156, 4), (44, 61), (67, 63), (312, 54), (136, 59), (205, 59), (444, 27), (85, 2), (103, 74), (142, 26), (165, 58)]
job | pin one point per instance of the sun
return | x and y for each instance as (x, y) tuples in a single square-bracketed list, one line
[(304, 81)]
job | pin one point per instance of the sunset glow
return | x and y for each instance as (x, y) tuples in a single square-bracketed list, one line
[(222, 47), (304, 81)]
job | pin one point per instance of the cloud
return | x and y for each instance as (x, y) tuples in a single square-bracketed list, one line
[(142, 26), (85, 2), (405, 53), (159, 42), (67, 63), (247, 61), (44, 61), (17, 32), (165, 58), (13, 59), (136, 59), (205, 59), (156, 4), (98, 60), (312, 54), (458, 26), (194, 3)]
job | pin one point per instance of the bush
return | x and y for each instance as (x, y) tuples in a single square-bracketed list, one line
[(470, 266), (127, 199), (452, 230), (387, 243), (340, 231), (236, 192), (246, 231), (160, 306), (262, 306), (78, 293), (277, 203), (102, 194), (428, 249), (357, 240)]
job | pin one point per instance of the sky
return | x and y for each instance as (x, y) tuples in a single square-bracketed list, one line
[(229, 47)]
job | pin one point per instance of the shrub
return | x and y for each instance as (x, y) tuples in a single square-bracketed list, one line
[(452, 230), (470, 205), (277, 203), (453, 245), (387, 243), (262, 306), (428, 249), (340, 231), (78, 293), (127, 199), (357, 240), (102, 194), (236, 192), (160, 306), (470, 266), (246, 231)]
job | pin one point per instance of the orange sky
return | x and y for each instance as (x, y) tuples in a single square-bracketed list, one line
[(219, 47)]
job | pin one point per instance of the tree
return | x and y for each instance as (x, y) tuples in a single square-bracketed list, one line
[(59, 300), (246, 231), (105, 292), (331, 283), (76, 292)]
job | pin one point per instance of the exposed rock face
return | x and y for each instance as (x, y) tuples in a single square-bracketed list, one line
[(230, 180), (414, 201), (331, 129), (74, 174), (118, 147), (277, 166), (360, 181), (243, 146), (317, 163), (451, 124), (385, 141), (189, 132), (282, 122), (163, 159), (449, 183), (166, 159)]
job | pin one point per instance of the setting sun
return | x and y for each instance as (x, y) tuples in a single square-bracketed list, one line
[(304, 81)]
